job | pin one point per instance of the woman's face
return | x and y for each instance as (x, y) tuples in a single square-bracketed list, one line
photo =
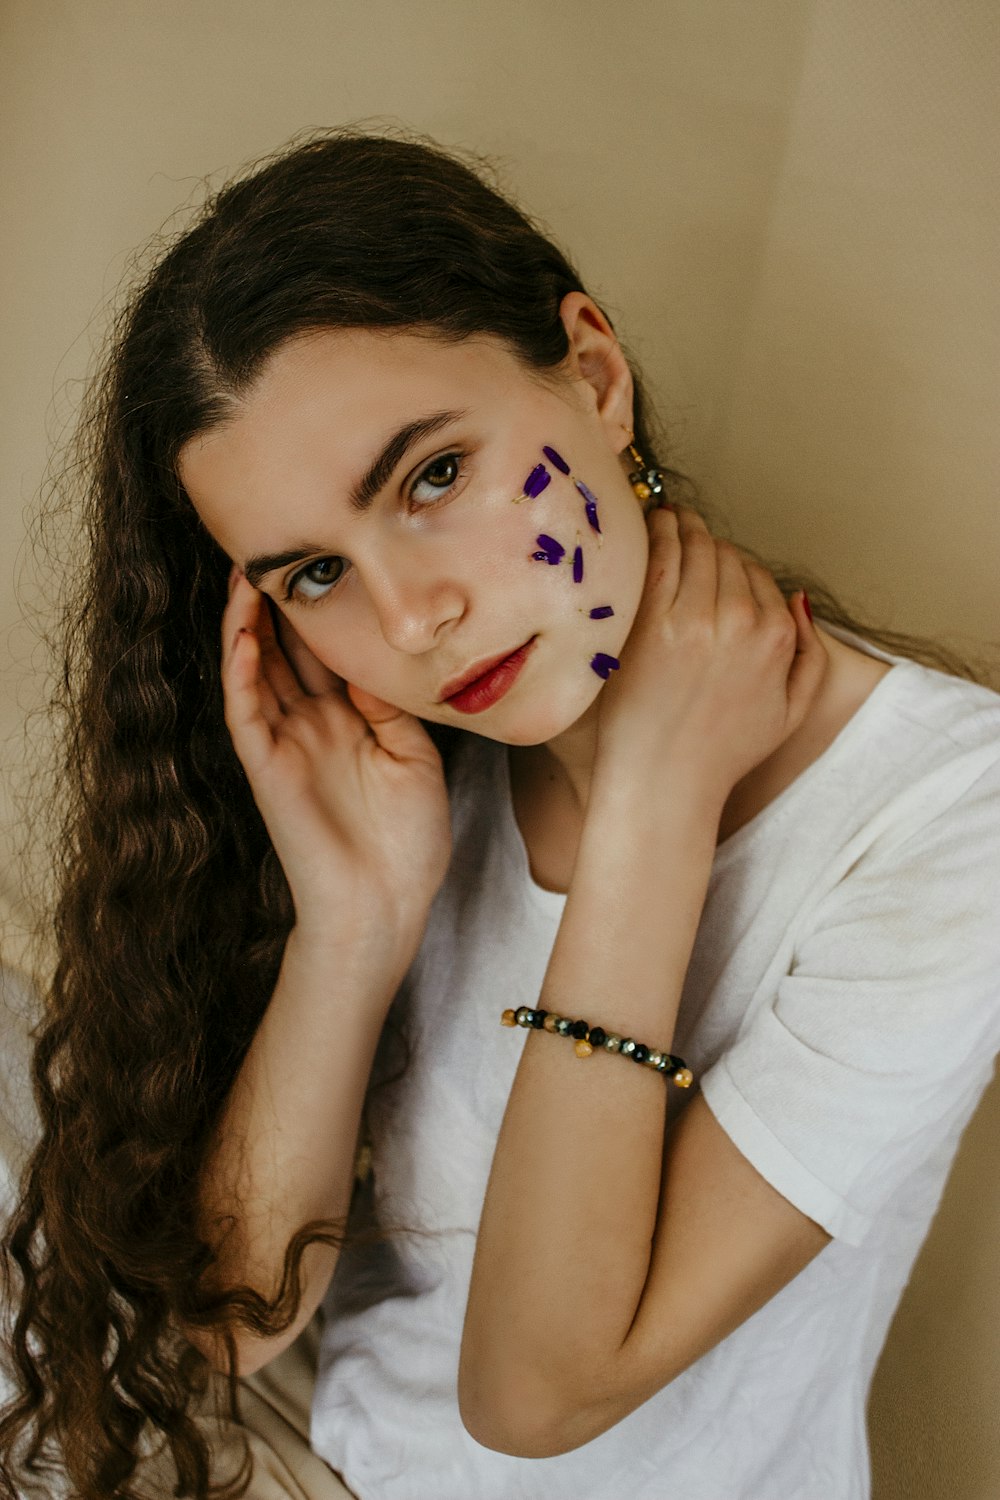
[(438, 572)]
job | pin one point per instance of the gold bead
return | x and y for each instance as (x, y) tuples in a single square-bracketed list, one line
[(550, 1021), (684, 1078), (642, 490), (583, 1048), (509, 1018)]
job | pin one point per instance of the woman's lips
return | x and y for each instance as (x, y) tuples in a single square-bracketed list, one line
[(491, 687)]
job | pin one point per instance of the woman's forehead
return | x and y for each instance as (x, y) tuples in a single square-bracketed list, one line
[(340, 389), (324, 404)]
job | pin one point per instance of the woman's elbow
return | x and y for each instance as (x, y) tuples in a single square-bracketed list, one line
[(517, 1417)]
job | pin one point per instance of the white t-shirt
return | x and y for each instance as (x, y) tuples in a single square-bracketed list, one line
[(841, 1014)]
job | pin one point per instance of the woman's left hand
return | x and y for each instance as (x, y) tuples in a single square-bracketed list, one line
[(718, 669)]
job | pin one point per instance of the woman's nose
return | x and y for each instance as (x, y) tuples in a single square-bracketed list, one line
[(413, 612)]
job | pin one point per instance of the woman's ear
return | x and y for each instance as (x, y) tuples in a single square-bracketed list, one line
[(595, 359)]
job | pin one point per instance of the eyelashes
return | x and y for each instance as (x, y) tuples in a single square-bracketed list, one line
[(455, 459)]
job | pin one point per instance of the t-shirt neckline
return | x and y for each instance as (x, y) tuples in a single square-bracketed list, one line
[(774, 810)]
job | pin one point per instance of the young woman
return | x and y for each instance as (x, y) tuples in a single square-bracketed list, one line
[(407, 722)]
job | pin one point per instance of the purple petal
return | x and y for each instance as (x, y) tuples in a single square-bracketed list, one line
[(553, 550), (554, 457), (578, 565), (590, 505), (536, 481), (602, 612), (604, 665)]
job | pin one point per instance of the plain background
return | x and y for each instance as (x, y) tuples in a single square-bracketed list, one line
[(789, 211)]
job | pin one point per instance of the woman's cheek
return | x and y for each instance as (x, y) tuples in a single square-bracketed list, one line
[(565, 536)]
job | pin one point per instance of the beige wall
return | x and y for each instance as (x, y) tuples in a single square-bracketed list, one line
[(789, 210)]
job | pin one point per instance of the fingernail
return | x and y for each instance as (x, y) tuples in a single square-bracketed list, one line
[(805, 604)]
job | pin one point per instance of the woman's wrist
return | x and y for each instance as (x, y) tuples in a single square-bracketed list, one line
[(366, 937), (623, 801)]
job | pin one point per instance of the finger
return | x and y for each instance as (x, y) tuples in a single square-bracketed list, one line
[(274, 663), (316, 679), (699, 568), (241, 614), (735, 584), (770, 600), (663, 566), (252, 712), (809, 666)]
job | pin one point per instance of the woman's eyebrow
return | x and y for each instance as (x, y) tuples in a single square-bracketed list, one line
[(363, 494)]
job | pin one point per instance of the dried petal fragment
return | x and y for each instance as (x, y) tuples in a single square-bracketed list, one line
[(555, 458), (604, 665), (602, 612), (578, 565), (590, 504), (551, 549), (537, 481)]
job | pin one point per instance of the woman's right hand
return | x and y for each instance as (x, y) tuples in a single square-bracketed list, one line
[(351, 789)]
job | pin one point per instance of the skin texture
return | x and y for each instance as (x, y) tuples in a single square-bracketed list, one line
[(438, 577)]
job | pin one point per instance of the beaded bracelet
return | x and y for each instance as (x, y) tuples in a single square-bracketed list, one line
[(589, 1037)]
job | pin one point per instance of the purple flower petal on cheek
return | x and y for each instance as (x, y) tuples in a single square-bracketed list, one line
[(578, 565), (590, 504), (602, 612), (552, 550), (604, 665), (537, 481), (557, 459)]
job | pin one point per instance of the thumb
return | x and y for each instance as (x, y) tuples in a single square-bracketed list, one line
[(810, 664), (397, 732)]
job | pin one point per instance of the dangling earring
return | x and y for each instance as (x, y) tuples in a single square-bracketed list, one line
[(645, 479)]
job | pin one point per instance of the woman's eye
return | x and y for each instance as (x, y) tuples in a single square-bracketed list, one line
[(314, 582), (295, 590), (441, 473)]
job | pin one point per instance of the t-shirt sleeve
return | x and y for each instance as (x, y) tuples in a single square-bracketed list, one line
[(881, 1037)]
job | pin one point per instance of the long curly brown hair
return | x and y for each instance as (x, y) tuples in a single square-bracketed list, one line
[(168, 910)]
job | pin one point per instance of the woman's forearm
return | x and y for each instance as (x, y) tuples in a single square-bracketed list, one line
[(284, 1149), (566, 1231)]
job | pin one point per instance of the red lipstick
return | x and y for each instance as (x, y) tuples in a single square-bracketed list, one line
[(490, 686)]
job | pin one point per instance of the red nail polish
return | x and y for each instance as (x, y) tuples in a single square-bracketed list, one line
[(805, 604)]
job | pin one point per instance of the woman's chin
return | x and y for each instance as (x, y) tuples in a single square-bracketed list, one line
[(537, 723)]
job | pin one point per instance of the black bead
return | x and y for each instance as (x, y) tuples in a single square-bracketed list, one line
[(598, 1036), (579, 1029), (641, 1053), (538, 1019)]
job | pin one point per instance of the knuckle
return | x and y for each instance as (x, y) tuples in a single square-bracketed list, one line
[(744, 613)]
